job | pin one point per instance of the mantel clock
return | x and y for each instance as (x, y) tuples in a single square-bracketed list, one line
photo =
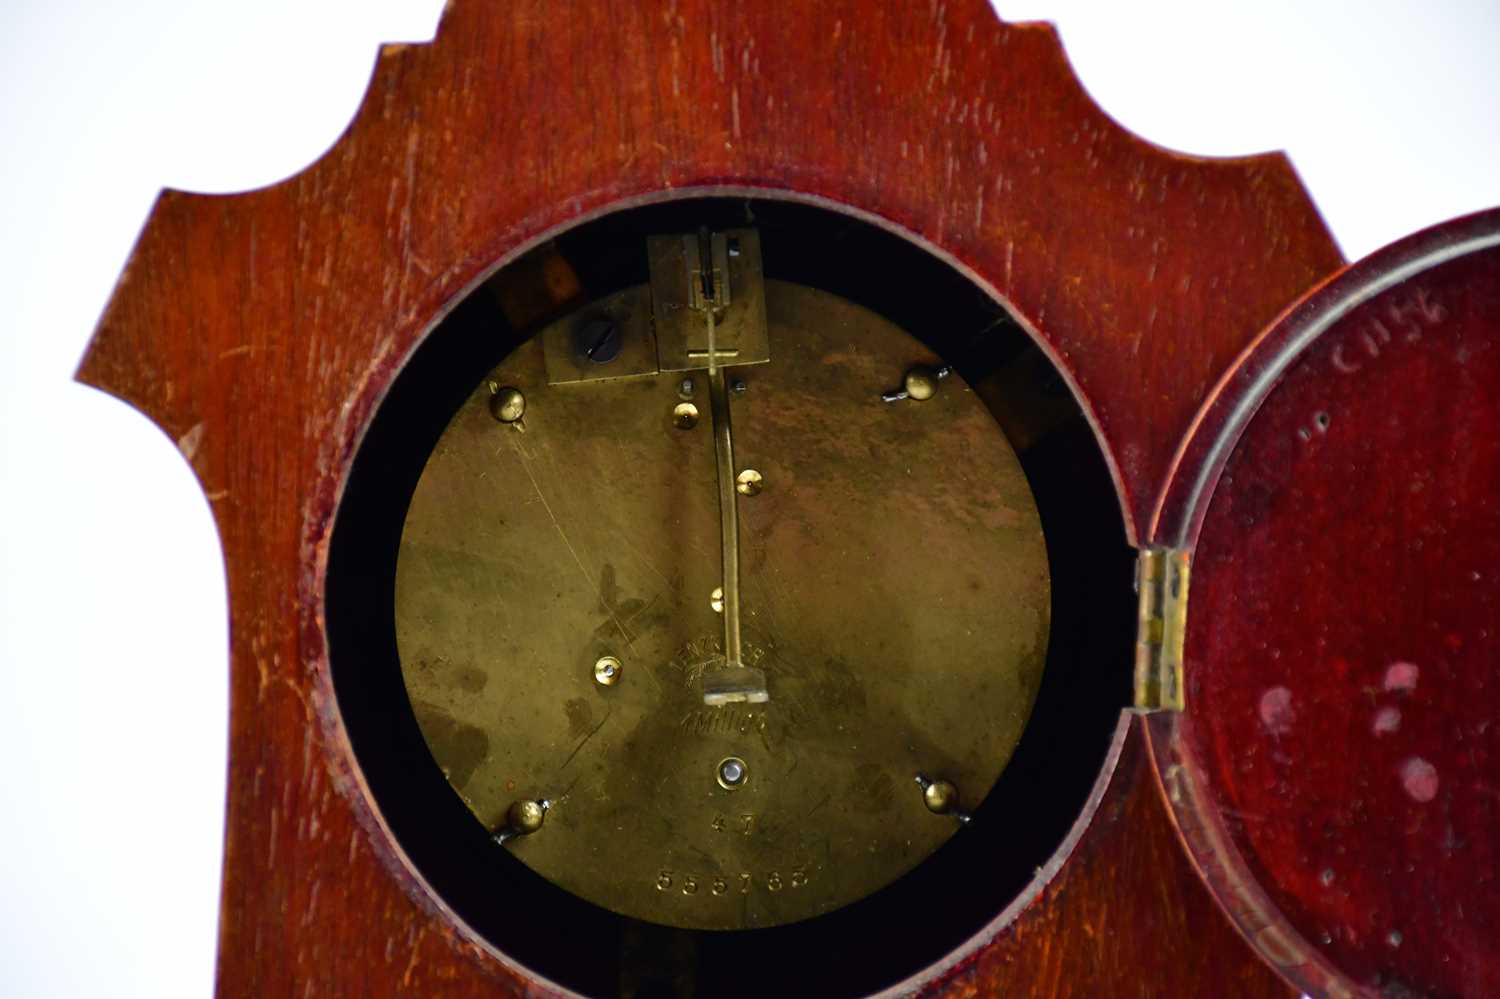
[(723, 502)]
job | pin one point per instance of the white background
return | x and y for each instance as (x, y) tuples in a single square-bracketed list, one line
[(112, 613)]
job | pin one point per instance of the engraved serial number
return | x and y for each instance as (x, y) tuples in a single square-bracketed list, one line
[(1403, 320), (723, 721), (744, 823), (678, 882)]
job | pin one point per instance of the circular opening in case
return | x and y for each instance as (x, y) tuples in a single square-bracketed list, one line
[(870, 940)]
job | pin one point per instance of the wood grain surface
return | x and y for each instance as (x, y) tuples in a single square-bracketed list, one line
[(259, 331), (1124, 916)]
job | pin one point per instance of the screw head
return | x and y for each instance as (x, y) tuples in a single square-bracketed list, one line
[(607, 671), (940, 797), (507, 404), (598, 339), (685, 416), (526, 816), (749, 482), (921, 383), (686, 388), (738, 386), (732, 773), (716, 599)]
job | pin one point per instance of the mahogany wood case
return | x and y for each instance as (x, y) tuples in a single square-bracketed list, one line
[(261, 331)]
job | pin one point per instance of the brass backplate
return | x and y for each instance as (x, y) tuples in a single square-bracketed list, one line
[(895, 591)]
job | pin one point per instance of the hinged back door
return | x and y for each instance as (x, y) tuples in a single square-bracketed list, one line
[(1336, 769)]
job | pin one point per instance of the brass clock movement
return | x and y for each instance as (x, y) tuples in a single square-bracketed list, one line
[(711, 626), (697, 586)]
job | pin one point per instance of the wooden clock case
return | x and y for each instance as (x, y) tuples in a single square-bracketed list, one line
[(263, 331), (1334, 774)]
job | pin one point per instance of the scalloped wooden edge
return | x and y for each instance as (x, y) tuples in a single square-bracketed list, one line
[(110, 365)]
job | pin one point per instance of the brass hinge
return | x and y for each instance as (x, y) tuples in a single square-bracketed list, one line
[(1161, 580)]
